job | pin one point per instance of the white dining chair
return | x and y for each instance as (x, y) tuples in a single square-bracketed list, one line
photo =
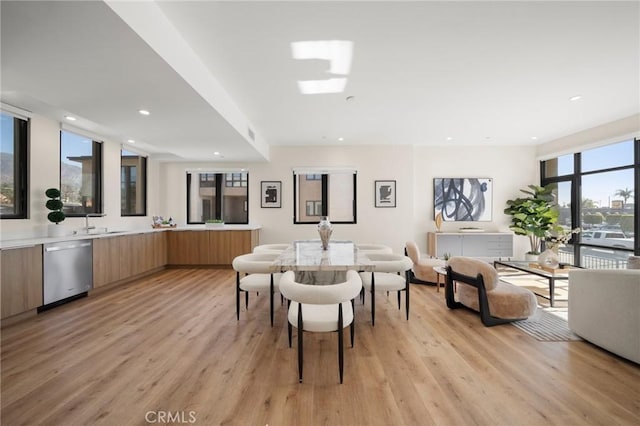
[(369, 248), (321, 308), (391, 274), (271, 248), (254, 273)]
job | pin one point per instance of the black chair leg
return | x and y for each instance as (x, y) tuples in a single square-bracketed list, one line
[(352, 329), (238, 296), (271, 299), (373, 300), (406, 300), (289, 327), (340, 343), (300, 332), (398, 299), (246, 300)]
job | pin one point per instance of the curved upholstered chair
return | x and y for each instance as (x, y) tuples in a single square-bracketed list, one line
[(373, 248), (391, 274), (422, 269), (320, 308), (480, 289), (271, 248), (258, 276)]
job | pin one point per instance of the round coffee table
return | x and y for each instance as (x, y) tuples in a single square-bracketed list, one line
[(440, 272)]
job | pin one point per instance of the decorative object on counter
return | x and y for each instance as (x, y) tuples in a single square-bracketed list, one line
[(463, 199), (271, 194), (56, 215), (438, 221), (471, 229), (160, 222), (534, 216), (214, 223), (385, 193), (325, 229)]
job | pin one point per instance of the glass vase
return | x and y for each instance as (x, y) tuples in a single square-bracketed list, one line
[(325, 229)]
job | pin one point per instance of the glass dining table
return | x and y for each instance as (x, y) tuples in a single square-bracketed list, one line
[(313, 265)]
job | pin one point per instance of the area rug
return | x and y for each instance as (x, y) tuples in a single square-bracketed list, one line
[(547, 327)]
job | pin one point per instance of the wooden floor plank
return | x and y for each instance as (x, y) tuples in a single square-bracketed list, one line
[(171, 343)]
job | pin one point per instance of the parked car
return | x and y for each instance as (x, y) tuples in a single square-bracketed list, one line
[(615, 239)]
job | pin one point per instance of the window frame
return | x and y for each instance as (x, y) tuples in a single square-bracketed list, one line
[(21, 150), (576, 196), (97, 167), (220, 183), (324, 178), (144, 185)]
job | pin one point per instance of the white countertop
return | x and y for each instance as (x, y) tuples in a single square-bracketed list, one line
[(27, 242)]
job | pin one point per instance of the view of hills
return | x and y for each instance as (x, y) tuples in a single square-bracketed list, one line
[(70, 174)]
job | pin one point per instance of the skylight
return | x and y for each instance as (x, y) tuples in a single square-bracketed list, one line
[(337, 52)]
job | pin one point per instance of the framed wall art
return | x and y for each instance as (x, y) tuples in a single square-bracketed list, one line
[(385, 193), (271, 194), (462, 199)]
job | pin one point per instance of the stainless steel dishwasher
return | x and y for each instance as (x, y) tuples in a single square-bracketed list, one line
[(68, 269)]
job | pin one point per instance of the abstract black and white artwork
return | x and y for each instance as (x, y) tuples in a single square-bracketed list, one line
[(385, 193), (463, 199), (270, 196)]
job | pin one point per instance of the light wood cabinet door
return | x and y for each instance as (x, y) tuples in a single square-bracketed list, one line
[(188, 247), (21, 280), (159, 244), (106, 261)]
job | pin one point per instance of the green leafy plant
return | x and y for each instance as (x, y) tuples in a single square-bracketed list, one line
[(56, 215), (215, 221), (534, 216)]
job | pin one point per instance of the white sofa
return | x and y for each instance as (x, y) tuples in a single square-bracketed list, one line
[(604, 309)]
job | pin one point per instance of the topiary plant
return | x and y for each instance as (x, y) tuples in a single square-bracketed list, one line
[(56, 215)]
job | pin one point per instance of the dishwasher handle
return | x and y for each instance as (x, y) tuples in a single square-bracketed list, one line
[(60, 248)]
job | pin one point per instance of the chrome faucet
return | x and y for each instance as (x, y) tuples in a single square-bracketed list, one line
[(87, 227)]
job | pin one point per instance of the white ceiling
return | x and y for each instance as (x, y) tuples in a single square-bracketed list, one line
[(495, 73)]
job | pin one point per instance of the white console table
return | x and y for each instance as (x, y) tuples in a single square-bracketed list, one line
[(472, 244)]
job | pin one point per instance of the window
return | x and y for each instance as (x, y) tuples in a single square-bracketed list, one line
[(13, 155), (235, 180), (597, 193), (213, 195), (80, 174), (133, 184), (333, 194)]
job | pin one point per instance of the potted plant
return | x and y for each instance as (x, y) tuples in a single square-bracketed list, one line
[(534, 216), (214, 223), (56, 215)]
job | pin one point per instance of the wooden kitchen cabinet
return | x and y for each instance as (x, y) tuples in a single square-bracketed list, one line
[(121, 257), (209, 247), (188, 247), (21, 280), (106, 261)]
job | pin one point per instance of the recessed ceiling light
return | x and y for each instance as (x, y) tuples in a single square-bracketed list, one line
[(144, 112), (131, 141), (487, 137), (449, 138), (216, 153), (575, 98), (340, 139), (534, 138), (70, 118)]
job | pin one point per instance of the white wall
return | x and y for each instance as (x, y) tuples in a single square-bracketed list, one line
[(44, 172), (615, 131), (413, 169)]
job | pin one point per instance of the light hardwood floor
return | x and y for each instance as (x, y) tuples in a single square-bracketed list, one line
[(171, 343)]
